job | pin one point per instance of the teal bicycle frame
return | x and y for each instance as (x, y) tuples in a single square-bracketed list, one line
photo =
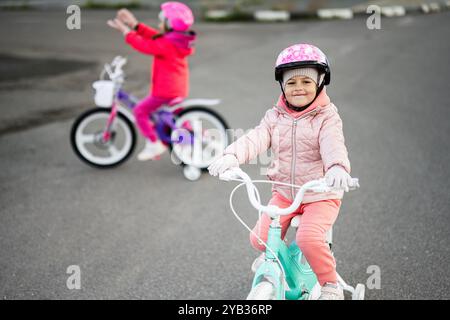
[(298, 275)]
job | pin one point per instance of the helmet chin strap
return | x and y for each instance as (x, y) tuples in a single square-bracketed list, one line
[(299, 109)]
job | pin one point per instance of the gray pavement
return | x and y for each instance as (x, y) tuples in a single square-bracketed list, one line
[(141, 231)]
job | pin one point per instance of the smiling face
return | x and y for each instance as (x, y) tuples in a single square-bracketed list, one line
[(300, 91)]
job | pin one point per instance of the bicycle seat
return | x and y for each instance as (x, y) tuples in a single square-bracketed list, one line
[(175, 101)]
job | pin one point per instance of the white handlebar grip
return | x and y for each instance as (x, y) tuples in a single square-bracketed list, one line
[(320, 186), (230, 174), (227, 175)]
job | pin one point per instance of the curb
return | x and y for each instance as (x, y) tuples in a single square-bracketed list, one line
[(329, 13), (345, 13), (270, 15), (435, 7)]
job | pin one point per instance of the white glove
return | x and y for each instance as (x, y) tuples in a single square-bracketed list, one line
[(337, 177), (223, 164)]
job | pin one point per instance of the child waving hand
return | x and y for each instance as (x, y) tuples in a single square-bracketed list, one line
[(170, 46)]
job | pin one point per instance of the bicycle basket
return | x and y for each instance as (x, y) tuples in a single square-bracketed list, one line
[(104, 93)]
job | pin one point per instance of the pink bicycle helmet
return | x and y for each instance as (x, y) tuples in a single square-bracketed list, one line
[(302, 55), (179, 16)]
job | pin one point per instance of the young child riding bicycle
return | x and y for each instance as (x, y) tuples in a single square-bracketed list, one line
[(170, 46), (305, 134)]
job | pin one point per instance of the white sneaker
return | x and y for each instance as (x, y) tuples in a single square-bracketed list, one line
[(331, 291), (151, 150)]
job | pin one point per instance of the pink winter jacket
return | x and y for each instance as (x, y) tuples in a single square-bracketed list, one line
[(170, 70), (304, 146)]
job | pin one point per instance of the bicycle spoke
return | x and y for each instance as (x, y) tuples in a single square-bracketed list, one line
[(197, 151), (196, 125), (213, 145), (87, 138), (113, 150)]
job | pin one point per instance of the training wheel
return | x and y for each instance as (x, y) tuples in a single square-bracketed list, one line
[(359, 292), (192, 173)]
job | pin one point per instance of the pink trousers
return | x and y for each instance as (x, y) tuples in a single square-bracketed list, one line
[(142, 112), (317, 218)]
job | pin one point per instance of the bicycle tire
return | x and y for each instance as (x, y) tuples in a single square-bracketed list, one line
[(121, 117)]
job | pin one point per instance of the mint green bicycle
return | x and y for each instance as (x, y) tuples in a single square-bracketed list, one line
[(283, 272)]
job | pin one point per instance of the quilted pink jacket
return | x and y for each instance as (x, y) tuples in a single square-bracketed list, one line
[(304, 146)]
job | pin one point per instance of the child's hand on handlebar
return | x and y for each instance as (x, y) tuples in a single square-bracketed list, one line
[(127, 17), (119, 25), (337, 177), (222, 164)]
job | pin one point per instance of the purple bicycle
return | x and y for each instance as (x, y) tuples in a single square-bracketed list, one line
[(105, 136)]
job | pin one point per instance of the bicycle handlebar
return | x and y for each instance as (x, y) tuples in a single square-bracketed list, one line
[(319, 185), (117, 64)]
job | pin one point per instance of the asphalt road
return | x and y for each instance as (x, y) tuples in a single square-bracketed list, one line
[(141, 231)]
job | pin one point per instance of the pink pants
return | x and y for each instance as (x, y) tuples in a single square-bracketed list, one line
[(142, 112), (317, 218)]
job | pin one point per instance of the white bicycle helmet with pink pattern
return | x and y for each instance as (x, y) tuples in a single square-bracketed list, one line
[(302, 55), (179, 16)]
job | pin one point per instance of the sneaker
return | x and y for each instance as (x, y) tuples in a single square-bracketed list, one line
[(331, 291), (152, 150)]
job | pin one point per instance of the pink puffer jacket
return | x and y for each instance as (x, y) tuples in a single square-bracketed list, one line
[(170, 69), (304, 145)]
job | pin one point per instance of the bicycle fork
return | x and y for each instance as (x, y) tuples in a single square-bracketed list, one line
[(107, 131), (271, 270), (292, 279)]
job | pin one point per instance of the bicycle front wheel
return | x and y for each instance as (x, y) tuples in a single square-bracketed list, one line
[(200, 137), (88, 143), (264, 290)]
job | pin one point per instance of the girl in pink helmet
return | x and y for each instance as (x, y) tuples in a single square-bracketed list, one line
[(170, 46), (304, 132)]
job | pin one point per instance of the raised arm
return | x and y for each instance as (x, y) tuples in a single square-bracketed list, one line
[(144, 45), (145, 30)]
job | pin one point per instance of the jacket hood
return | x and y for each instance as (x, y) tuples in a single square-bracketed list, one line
[(321, 101), (183, 41)]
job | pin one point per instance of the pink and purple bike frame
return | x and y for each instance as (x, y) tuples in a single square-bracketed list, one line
[(164, 121)]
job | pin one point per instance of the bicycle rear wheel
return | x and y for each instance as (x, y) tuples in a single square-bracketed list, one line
[(200, 137)]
